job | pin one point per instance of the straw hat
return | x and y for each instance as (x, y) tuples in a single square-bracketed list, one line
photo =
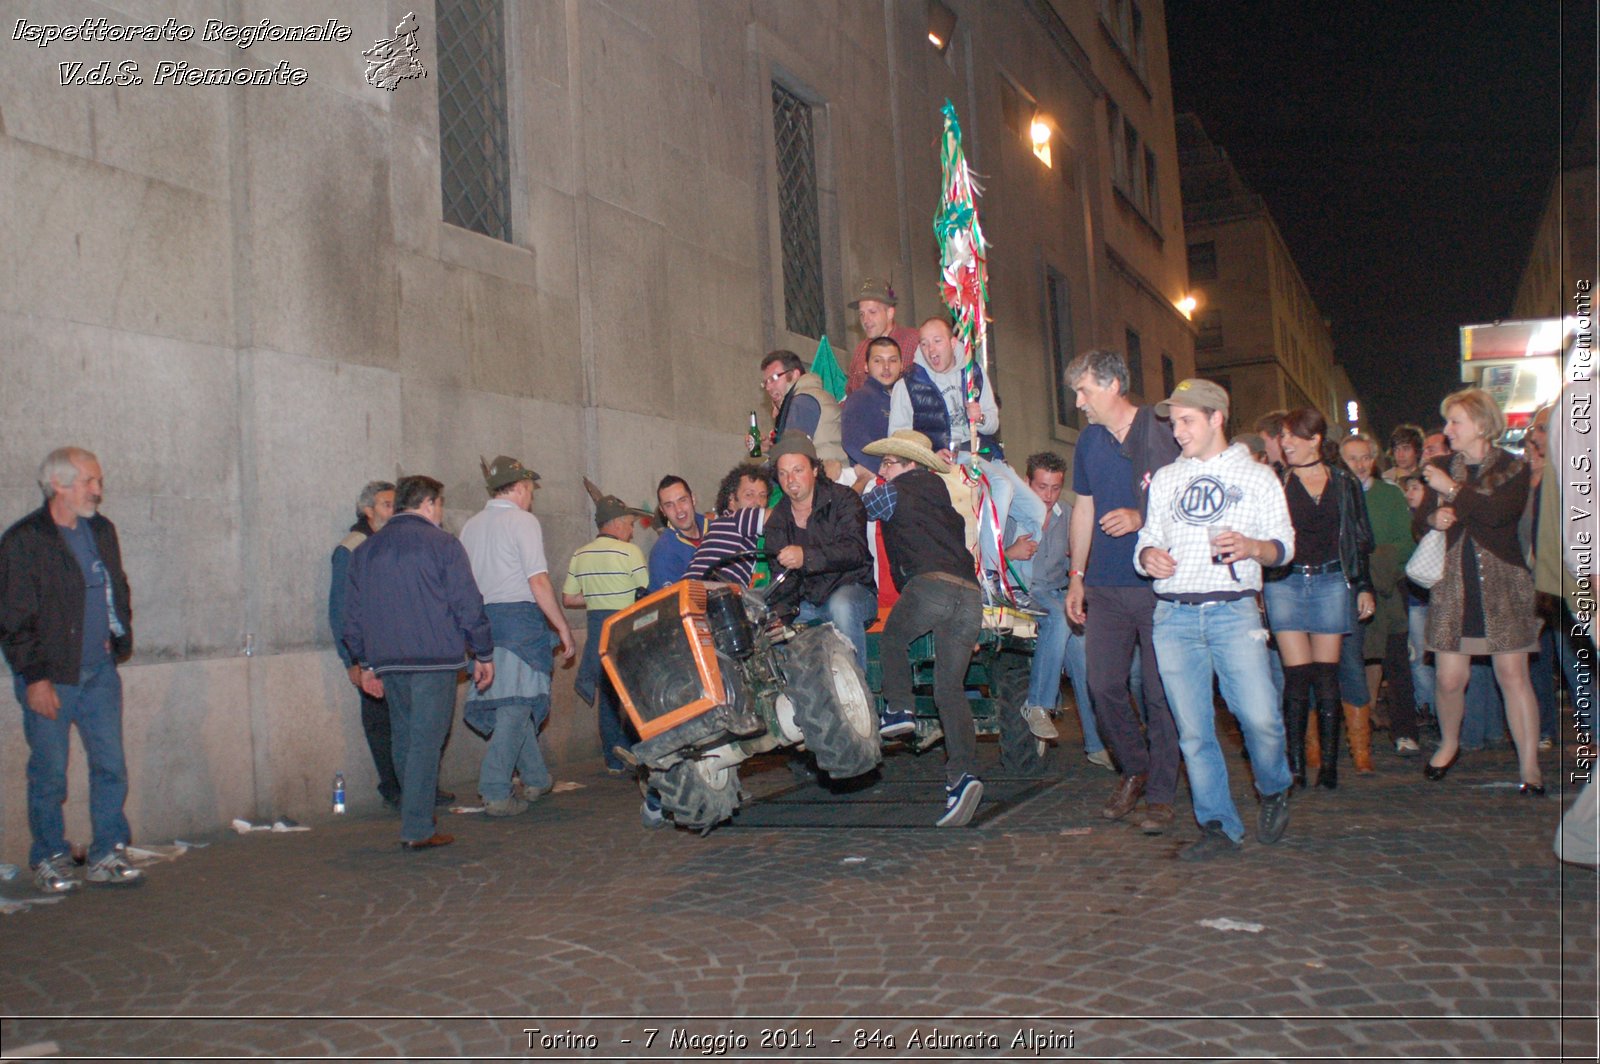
[(909, 443)]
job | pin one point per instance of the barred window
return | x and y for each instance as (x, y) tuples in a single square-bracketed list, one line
[(474, 133), (799, 222)]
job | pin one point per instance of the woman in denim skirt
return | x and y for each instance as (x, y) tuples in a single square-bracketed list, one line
[(1308, 601)]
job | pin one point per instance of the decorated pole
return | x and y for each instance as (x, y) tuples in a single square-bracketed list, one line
[(963, 267)]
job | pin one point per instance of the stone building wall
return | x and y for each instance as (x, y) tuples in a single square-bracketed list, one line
[(244, 299)]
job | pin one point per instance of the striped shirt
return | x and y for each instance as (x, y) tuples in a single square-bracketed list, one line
[(732, 533), (608, 573)]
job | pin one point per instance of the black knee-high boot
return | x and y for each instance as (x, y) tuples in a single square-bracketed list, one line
[(1296, 711), (1330, 715)]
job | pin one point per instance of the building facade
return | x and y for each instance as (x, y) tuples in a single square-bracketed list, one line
[(1563, 250), (1259, 331), (560, 231)]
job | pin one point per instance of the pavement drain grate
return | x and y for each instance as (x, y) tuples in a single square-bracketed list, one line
[(887, 804)]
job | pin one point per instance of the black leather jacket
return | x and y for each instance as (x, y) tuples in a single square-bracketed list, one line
[(41, 598), (1355, 529)]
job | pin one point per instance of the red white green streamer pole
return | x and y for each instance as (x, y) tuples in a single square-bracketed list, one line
[(963, 266)]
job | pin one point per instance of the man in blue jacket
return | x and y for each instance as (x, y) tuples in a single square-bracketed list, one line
[(412, 615)]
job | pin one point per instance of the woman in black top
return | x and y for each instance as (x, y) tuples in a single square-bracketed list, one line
[(1308, 601)]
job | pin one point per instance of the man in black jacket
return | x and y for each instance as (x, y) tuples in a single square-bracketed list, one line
[(927, 545), (819, 532), (412, 612), (65, 621)]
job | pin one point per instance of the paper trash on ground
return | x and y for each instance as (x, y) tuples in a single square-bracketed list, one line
[(1224, 923)]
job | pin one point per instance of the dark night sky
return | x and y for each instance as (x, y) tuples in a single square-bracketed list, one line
[(1405, 150)]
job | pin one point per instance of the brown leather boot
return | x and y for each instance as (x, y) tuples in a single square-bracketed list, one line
[(1358, 724), (1313, 751)]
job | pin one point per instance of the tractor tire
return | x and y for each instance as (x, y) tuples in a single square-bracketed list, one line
[(832, 704), (1021, 754), (698, 797)]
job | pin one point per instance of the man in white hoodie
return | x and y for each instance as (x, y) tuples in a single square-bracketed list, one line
[(1215, 517)]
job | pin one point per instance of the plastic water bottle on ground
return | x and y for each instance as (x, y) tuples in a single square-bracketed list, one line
[(338, 792)]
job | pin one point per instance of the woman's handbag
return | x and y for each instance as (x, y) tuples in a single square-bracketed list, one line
[(1426, 566)]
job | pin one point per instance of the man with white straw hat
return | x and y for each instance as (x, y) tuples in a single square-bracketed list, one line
[(928, 558)]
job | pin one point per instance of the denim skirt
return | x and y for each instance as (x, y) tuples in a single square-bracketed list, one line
[(1318, 604)]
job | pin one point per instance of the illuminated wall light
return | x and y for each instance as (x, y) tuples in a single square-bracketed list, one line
[(1187, 305), (1352, 411), (941, 25), (1040, 132)]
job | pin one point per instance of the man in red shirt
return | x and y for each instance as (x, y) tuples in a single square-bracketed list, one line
[(875, 308)]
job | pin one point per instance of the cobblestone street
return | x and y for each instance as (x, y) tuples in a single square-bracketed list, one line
[(1398, 919)]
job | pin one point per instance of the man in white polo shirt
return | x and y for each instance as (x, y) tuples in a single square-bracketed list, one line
[(505, 544)]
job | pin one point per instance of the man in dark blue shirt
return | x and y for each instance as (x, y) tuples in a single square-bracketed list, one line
[(1111, 470)]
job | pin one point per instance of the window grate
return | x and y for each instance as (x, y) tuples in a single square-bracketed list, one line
[(474, 133), (798, 217)]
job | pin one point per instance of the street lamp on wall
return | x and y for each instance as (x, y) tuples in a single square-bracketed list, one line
[(1039, 132), (941, 25)]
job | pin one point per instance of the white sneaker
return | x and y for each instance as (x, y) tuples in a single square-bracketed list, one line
[(1039, 722), (53, 875), (113, 870)]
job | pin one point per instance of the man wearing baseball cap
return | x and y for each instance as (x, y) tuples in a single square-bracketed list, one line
[(1215, 518), (505, 544), (605, 575), (874, 305), (926, 542)]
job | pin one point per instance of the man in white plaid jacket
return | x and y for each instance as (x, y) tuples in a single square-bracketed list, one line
[(1215, 518)]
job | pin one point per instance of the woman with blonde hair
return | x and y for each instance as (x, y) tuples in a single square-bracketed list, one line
[(1483, 604)]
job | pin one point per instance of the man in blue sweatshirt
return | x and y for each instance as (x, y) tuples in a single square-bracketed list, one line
[(412, 615)]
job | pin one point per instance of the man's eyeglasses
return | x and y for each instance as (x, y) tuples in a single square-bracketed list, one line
[(774, 378)]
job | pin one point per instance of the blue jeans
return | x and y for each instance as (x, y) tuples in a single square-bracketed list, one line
[(1049, 651), (421, 705), (514, 744), (1417, 646), (1078, 672), (1014, 501), (94, 704), (1191, 642), (851, 608), (593, 681), (1353, 660)]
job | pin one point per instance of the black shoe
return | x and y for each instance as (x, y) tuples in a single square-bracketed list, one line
[(443, 797), (1436, 772), (1531, 790), (1274, 817), (1213, 842)]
